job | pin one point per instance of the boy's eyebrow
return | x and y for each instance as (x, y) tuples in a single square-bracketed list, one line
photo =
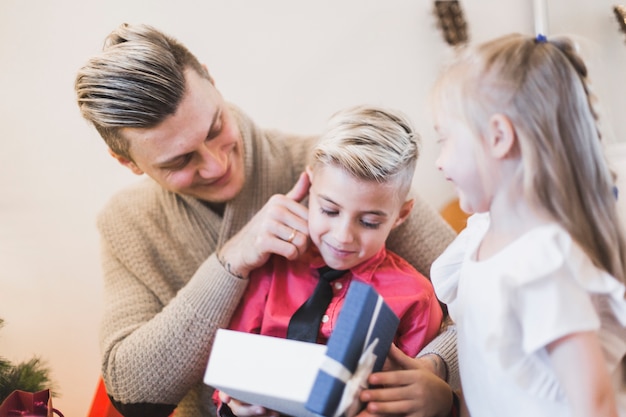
[(372, 212), (330, 200), (376, 213)]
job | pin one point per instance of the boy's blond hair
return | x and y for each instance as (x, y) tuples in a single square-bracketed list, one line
[(372, 144)]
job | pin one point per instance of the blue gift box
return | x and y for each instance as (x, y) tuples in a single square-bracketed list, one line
[(306, 379), (364, 321)]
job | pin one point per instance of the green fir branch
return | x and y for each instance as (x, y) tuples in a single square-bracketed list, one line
[(32, 376)]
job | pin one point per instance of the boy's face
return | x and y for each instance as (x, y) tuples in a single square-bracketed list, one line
[(350, 219)]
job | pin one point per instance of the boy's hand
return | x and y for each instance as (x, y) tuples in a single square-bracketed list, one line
[(406, 388)]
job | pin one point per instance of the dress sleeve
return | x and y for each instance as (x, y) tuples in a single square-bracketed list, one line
[(445, 273), (554, 294), (446, 269), (553, 307)]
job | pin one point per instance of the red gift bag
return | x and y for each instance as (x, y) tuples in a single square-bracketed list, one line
[(23, 403)]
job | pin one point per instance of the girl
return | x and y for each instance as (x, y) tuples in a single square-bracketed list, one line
[(535, 281)]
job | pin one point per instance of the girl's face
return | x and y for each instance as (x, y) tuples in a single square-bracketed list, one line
[(350, 219), (462, 162)]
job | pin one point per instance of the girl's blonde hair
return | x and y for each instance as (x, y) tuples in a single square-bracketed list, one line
[(372, 144), (541, 86)]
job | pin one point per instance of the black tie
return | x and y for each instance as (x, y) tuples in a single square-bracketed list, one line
[(305, 322)]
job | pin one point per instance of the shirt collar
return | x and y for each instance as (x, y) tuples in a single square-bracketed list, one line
[(363, 271)]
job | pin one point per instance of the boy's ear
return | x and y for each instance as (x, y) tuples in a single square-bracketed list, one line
[(126, 162), (405, 210), (309, 172), (501, 136)]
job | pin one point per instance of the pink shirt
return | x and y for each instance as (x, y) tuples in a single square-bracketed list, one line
[(280, 287)]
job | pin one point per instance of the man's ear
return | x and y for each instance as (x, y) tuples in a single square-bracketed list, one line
[(405, 210), (501, 136), (208, 73), (126, 162)]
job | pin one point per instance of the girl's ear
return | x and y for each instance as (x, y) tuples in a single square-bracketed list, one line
[(501, 136), (405, 210)]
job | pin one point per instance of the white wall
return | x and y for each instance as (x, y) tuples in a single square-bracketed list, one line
[(289, 64)]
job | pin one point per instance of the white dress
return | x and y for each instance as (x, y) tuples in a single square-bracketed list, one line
[(509, 307)]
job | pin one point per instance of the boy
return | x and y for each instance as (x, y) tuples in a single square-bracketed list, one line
[(361, 172)]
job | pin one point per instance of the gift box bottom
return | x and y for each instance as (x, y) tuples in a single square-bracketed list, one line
[(273, 372)]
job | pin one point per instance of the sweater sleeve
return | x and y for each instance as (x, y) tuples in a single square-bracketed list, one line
[(156, 355), (444, 346), (164, 300)]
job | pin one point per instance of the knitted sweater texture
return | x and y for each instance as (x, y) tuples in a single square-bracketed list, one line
[(165, 291)]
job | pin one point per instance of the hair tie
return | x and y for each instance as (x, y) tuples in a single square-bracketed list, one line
[(541, 38)]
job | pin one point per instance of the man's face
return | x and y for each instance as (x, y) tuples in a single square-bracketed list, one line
[(198, 151)]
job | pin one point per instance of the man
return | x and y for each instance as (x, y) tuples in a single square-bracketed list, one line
[(218, 201)]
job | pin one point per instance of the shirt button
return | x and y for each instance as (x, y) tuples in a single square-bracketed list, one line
[(325, 318), (338, 285)]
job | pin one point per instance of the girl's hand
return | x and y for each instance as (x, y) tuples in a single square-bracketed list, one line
[(406, 388)]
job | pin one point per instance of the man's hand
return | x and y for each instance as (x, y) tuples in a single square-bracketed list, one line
[(434, 364), (280, 227), (406, 387)]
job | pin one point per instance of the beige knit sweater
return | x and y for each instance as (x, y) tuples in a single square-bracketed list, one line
[(166, 293)]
